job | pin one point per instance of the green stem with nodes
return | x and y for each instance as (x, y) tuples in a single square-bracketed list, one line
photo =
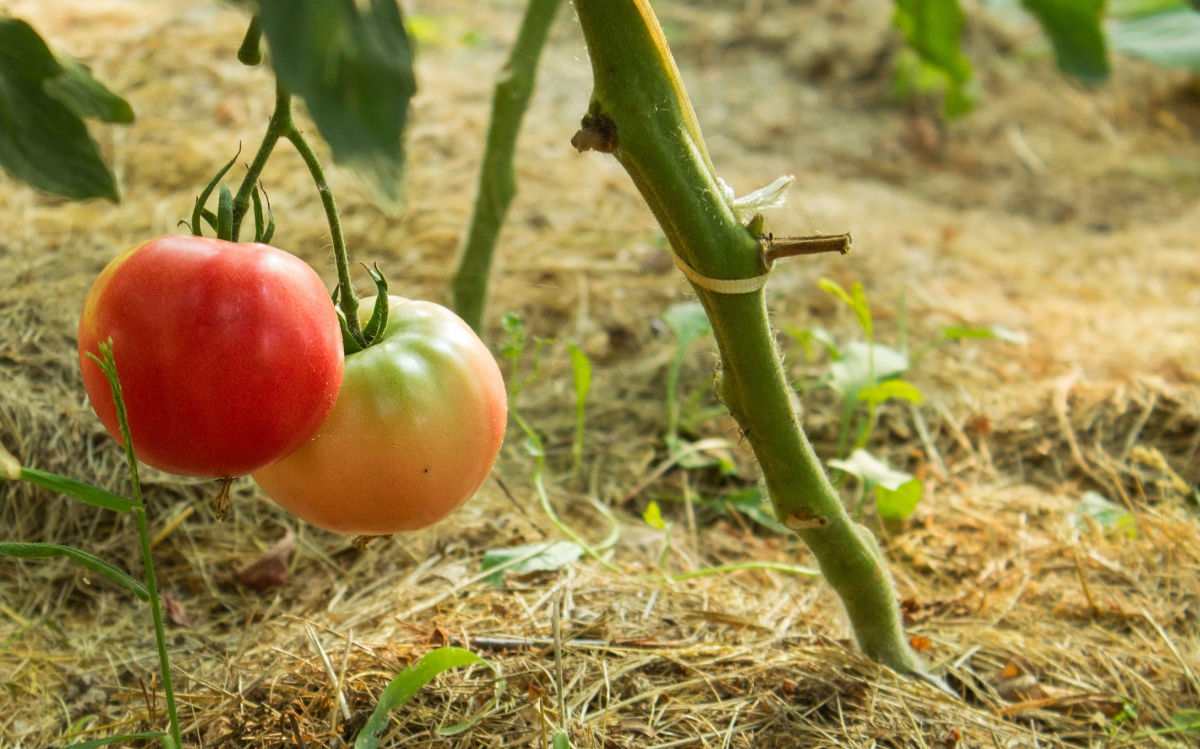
[(497, 183), (109, 365), (283, 126), (641, 114)]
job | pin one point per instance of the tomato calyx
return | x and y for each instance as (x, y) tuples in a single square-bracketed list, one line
[(224, 221), (372, 332)]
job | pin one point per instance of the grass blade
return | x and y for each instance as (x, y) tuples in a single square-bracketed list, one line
[(410, 681), (93, 563), (86, 493)]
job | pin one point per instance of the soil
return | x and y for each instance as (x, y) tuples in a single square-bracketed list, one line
[(1066, 215)]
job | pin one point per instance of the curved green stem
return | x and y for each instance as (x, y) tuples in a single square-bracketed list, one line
[(497, 182), (641, 114), (347, 299), (282, 126)]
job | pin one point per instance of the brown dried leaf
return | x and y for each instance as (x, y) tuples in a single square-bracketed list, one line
[(271, 569), (176, 613)]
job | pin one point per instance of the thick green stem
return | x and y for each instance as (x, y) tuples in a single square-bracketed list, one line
[(497, 183), (641, 113)]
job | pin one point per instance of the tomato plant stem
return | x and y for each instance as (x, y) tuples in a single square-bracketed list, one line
[(139, 514), (346, 296), (282, 126), (281, 120), (641, 114), (497, 182)]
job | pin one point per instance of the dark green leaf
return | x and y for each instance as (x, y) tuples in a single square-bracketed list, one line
[(933, 30), (86, 493), (401, 689), (43, 140), (96, 743), (1074, 30), (87, 97), (1168, 36), (93, 563), (754, 504), (352, 64)]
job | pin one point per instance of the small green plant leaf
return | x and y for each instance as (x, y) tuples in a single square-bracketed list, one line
[(581, 371), (933, 30), (688, 321), (855, 299), (863, 365), (410, 681), (1075, 32), (554, 555), (86, 493), (1168, 35), (43, 100), (123, 738), (1109, 515), (653, 516), (352, 63), (898, 504), (901, 390), (561, 740), (872, 470), (967, 332), (93, 563)]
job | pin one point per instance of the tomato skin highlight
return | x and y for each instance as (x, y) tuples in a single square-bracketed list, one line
[(230, 355), (417, 427)]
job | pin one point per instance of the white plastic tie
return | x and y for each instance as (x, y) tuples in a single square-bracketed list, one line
[(727, 286)]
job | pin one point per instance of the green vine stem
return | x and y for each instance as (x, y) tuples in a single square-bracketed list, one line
[(641, 114), (109, 366), (497, 182), (283, 126)]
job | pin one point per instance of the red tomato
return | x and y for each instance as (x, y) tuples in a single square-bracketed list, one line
[(230, 355), (415, 431)]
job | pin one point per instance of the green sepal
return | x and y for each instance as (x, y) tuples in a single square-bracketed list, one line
[(350, 344), (225, 214), (198, 210), (379, 314), (258, 214)]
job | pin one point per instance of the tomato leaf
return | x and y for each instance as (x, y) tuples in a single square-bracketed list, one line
[(93, 563), (86, 493), (97, 743), (352, 64), (1074, 30), (410, 681), (43, 100)]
